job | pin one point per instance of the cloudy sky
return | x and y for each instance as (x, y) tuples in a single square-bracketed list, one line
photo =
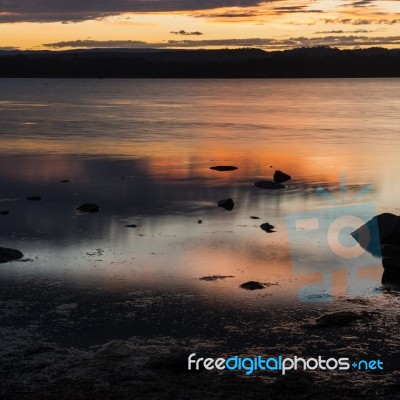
[(268, 24)]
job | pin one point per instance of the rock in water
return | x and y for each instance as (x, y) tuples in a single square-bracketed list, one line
[(34, 198), (254, 217), (228, 204), (131, 226), (391, 264), (269, 185), (281, 177), (224, 168), (267, 227), (89, 208), (388, 227), (252, 285), (64, 181), (390, 250), (4, 212), (7, 255)]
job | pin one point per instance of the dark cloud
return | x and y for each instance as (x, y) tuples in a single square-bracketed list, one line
[(184, 33), (80, 10), (266, 43), (362, 21), (98, 44), (294, 9), (342, 31), (228, 15), (362, 3), (8, 48)]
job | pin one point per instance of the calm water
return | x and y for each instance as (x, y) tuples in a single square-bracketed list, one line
[(142, 149)]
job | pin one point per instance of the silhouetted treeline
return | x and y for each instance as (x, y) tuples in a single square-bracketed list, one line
[(315, 62)]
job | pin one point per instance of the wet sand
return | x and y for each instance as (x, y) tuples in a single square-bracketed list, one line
[(62, 341)]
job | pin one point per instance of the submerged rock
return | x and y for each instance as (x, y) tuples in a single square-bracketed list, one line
[(215, 277), (5, 212), (228, 204), (267, 227), (252, 285), (89, 208), (34, 198), (7, 255), (281, 177), (339, 318), (269, 185), (222, 168)]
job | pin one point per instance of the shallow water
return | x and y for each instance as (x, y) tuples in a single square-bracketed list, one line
[(142, 149)]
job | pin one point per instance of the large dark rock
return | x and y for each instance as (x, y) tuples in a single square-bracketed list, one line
[(7, 255), (390, 250), (252, 285), (269, 185), (228, 204), (281, 177), (89, 208), (222, 168), (391, 264), (388, 226), (390, 278)]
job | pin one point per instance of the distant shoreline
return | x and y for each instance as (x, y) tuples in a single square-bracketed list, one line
[(316, 62)]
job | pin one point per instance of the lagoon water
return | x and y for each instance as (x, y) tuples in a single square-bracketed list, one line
[(142, 150)]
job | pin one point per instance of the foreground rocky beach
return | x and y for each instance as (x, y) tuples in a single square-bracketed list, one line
[(64, 341)]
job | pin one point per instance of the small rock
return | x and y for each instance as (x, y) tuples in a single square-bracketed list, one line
[(199, 221), (269, 185), (215, 277), (34, 198), (4, 212), (267, 227), (281, 177), (7, 255), (228, 204), (64, 181), (89, 208), (254, 217), (252, 285), (131, 226), (224, 168)]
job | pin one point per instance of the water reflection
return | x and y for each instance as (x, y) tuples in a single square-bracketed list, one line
[(169, 244), (143, 152)]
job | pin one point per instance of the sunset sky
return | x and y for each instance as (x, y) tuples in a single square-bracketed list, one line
[(274, 24)]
